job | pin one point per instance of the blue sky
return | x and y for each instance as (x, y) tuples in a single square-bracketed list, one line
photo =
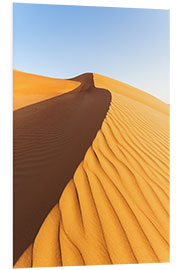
[(130, 45)]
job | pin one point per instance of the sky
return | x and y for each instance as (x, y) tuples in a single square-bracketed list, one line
[(127, 44)]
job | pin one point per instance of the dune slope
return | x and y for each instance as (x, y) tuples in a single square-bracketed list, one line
[(30, 88), (131, 92), (115, 209), (50, 140)]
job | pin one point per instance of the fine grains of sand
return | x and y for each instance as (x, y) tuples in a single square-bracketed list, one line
[(115, 209)]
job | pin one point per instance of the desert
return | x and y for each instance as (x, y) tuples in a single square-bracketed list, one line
[(91, 172)]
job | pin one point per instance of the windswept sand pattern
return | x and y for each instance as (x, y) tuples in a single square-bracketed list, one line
[(115, 209)]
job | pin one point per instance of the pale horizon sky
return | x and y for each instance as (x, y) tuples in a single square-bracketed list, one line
[(130, 45)]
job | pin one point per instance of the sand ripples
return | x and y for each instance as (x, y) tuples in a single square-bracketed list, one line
[(115, 209)]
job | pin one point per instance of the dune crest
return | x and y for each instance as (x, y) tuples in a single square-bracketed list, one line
[(115, 209), (50, 139)]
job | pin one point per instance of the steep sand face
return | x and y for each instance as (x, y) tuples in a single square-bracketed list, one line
[(29, 88), (50, 140), (115, 210)]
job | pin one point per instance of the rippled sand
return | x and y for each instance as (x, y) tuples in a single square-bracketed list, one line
[(115, 209)]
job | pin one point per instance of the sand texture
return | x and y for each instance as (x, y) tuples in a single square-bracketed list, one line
[(114, 208), (50, 140)]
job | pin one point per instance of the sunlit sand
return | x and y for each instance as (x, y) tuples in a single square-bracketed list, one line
[(29, 88)]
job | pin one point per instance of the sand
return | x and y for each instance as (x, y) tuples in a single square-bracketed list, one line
[(29, 88), (115, 208), (50, 140), (130, 92)]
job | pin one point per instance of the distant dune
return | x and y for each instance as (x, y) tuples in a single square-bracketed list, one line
[(111, 206), (29, 88)]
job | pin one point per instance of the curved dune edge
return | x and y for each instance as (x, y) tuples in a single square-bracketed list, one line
[(115, 210), (30, 88), (50, 139)]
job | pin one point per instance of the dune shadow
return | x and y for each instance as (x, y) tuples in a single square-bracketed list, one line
[(50, 139)]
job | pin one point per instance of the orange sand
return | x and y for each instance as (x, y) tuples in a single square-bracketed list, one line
[(50, 139), (115, 210), (131, 92), (29, 88)]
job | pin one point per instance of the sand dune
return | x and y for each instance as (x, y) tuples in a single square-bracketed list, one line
[(50, 140), (115, 209), (29, 88), (131, 92)]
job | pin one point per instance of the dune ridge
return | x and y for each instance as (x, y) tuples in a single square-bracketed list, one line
[(50, 139), (118, 198)]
